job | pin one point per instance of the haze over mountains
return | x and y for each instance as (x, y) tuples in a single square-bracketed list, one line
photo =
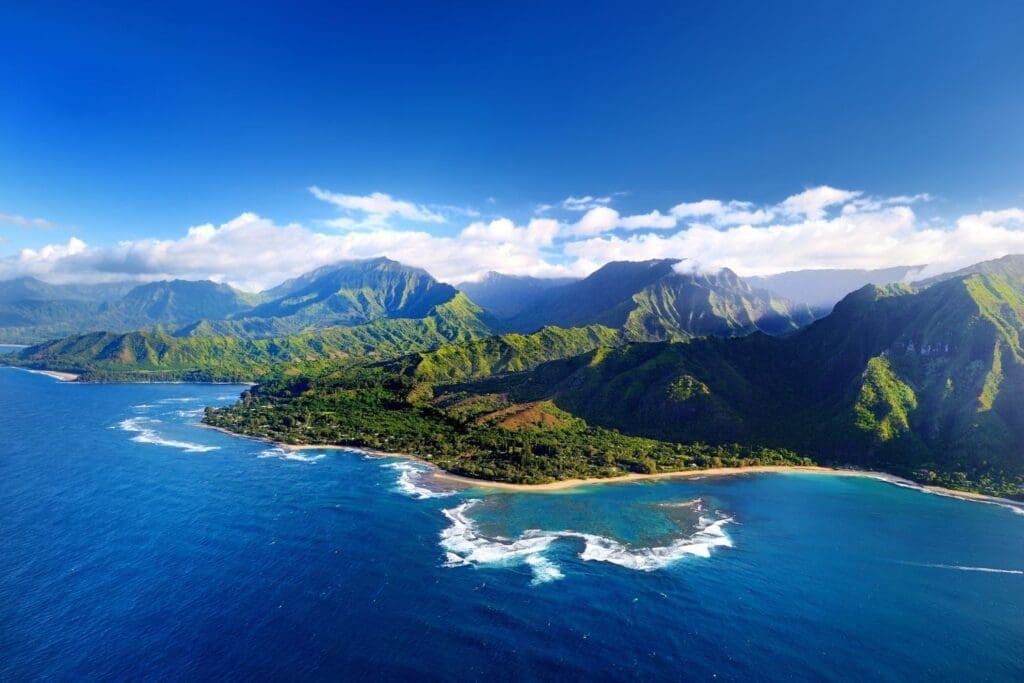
[(651, 298), (360, 292), (822, 289)]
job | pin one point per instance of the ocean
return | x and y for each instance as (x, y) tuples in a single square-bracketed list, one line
[(136, 544)]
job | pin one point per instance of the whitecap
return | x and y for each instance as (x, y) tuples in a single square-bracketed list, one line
[(968, 568), (188, 399), (409, 481), (146, 434), (465, 545), (190, 413), (710, 535), (285, 454), (544, 570)]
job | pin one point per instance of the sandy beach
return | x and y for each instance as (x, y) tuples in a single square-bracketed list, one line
[(62, 376), (442, 476)]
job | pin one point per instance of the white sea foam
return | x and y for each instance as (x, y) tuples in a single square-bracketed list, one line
[(544, 570), (465, 545), (144, 406), (188, 399), (145, 433), (409, 481), (967, 568), (1016, 508), (708, 537), (285, 454), (189, 413)]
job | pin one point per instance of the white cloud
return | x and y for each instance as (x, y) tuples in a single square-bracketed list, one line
[(889, 236), (24, 221), (604, 219), (654, 220), (253, 253), (813, 202), (595, 221), (723, 213), (823, 231), (378, 207), (539, 231), (584, 203)]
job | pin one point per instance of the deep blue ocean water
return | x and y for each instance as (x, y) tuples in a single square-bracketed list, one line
[(136, 545)]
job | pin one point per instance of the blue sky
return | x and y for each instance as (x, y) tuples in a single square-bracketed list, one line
[(134, 123)]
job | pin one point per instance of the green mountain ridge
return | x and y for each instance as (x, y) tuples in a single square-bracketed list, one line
[(923, 382), (157, 355), (653, 301), (31, 310)]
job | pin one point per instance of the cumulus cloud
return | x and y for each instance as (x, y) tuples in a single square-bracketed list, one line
[(254, 253), (539, 231), (24, 221), (376, 208), (813, 202), (818, 228), (723, 213), (603, 219), (889, 236), (595, 221), (653, 220)]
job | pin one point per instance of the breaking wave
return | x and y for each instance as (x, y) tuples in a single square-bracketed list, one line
[(285, 454), (147, 434), (464, 545), (409, 481)]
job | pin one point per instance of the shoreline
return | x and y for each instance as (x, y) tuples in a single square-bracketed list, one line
[(55, 374), (440, 475)]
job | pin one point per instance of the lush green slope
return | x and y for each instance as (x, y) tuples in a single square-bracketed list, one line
[(156, 355), (502, 354), (346, 294), (918, 382), (926, 383), (482, 436), (31, 310), (652, 300)]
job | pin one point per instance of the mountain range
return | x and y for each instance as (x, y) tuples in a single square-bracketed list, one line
[(822, 289), (381, 307), (924, 379)]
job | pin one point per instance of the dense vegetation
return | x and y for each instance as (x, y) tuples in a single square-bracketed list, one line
[(926, 382), (656, 301), (400, 310), (484, 436), (31, 310), (155, 355)]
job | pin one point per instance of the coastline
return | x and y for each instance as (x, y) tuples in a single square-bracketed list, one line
[(62, 376), (439, 475)]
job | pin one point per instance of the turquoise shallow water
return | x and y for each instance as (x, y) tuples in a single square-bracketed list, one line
[(135, 544)]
